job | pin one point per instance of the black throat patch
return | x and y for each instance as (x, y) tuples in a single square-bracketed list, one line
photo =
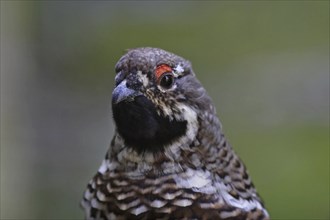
[(142, 128)]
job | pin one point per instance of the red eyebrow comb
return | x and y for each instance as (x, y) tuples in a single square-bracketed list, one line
[(161, 69)]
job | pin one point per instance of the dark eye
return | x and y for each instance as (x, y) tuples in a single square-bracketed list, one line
[(166, 80)]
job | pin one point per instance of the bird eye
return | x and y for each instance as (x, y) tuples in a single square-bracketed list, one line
[(164, 76), (166, 80)]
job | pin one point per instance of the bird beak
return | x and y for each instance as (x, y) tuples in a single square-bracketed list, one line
[(122, 93)]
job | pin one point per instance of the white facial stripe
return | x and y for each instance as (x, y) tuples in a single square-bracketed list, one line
[(189, 115), (143, 77), (179, 69)]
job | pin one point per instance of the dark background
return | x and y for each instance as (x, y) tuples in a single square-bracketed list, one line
[(264, 63)]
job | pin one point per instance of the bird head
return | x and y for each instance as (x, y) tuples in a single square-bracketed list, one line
[(157, 100), (169, 158)]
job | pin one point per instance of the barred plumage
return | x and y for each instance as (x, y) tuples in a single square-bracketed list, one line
[(169, 158)]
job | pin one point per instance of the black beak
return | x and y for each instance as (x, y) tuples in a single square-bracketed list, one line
[(123, 93)]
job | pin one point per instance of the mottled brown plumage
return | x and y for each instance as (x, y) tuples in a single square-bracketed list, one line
[(169, 158)]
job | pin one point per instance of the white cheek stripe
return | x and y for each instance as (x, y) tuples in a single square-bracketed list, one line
[(173, 150)]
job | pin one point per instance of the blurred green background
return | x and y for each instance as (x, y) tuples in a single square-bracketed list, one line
[(264, 63)]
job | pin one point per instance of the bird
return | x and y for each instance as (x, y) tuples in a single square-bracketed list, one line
[(169, 157)]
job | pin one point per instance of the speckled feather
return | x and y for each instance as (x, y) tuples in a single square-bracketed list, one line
[(196, 176)]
